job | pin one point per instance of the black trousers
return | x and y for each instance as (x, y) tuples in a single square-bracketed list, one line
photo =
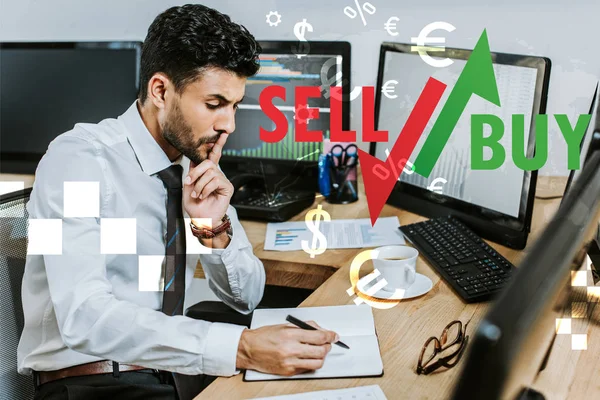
[(131, 385)]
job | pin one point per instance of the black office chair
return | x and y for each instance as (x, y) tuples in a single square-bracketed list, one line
[(13, 251), (273, 297)]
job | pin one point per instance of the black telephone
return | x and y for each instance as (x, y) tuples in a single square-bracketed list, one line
[(246, 186), (253, 199)]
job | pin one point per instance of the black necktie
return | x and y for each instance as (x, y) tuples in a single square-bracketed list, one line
[(174, 289), (187, 386)]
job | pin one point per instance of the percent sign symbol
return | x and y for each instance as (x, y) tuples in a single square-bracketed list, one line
[(352, 13), (383, 173)]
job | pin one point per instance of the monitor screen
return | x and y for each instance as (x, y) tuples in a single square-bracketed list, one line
[(325, 65), (287, 162), (289, 71), (46, 88), (454, 187), (516, 87)]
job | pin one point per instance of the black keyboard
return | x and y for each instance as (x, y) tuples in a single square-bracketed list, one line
[(277, 208), (472, 268)]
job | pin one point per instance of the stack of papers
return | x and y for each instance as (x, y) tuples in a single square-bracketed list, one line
[(340, 234)]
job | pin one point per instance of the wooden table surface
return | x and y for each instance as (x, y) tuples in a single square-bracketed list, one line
[(403, 329), (297, 269)]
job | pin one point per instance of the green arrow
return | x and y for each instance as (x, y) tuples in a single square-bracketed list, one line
[(476, 78)]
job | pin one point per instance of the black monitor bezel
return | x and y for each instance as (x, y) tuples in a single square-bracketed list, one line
[(29, 160), (594, 140), (233, 165), (491, 224)]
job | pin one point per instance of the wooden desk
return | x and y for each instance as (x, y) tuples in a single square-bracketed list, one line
[(297, 269), (402, 330)]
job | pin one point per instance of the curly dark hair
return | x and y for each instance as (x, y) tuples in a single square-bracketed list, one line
[(184, 41)]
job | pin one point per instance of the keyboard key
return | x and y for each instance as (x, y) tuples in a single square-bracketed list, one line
[(451, 260), (462, 282)]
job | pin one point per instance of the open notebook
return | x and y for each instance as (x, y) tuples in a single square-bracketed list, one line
[(356, 328)]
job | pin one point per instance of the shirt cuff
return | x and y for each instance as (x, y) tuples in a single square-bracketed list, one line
[(226, 255), (222, 343)]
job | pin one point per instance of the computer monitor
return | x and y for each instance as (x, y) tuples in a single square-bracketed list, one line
[(512, 341), (503, 216), (590, 144), (284, 63), (46, 88)]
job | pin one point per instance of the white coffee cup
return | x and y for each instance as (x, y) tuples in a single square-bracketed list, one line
[(397, 265)]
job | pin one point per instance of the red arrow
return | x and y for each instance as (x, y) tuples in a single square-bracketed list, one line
[(379, 176)]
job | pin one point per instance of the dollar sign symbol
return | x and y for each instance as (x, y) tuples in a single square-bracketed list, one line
[(317, 235), (300, 31)]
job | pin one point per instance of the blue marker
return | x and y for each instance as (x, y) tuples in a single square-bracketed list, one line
[(324, 182)]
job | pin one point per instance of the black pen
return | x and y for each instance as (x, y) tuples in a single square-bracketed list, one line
[(304, 325)]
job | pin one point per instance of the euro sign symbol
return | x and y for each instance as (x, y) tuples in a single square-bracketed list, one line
[(423, 40), (437, 189), (317, 235), (335, 81)]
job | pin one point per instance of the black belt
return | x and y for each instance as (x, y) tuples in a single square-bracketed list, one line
[(95, 368)]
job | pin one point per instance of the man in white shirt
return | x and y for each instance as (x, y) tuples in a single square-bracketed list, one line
[(90, 332)]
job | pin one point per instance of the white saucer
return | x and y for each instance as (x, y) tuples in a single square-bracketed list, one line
[(420, 286)]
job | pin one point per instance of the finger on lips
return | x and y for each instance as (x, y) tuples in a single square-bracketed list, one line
[(206, 171), (215, 153)]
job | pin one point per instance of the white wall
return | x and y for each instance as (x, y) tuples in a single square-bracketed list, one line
[(561, 30)]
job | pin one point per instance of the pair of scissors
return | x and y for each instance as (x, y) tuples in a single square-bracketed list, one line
[(344, 156)]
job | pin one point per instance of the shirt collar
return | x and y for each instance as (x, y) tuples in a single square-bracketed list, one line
[(150, 155)]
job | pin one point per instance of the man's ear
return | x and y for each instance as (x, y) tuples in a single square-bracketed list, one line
[(158, 86)]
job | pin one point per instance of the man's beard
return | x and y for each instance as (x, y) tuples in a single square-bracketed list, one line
[(179, 135)]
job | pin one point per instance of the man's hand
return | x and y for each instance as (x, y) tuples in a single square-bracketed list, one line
[(284, 349), (207, 192)]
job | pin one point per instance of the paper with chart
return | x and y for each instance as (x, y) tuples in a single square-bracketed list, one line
[(340, 234), (371, 392), (354, 324)]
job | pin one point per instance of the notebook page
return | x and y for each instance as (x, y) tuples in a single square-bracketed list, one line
[(371, 392), (362, 359), (349, 320)]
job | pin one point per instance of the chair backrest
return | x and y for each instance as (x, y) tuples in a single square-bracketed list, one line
[(13, 252)]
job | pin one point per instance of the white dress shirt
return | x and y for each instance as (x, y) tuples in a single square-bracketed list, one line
[(83, 306)]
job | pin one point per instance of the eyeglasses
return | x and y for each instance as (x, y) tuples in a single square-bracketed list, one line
[(450, 346)]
